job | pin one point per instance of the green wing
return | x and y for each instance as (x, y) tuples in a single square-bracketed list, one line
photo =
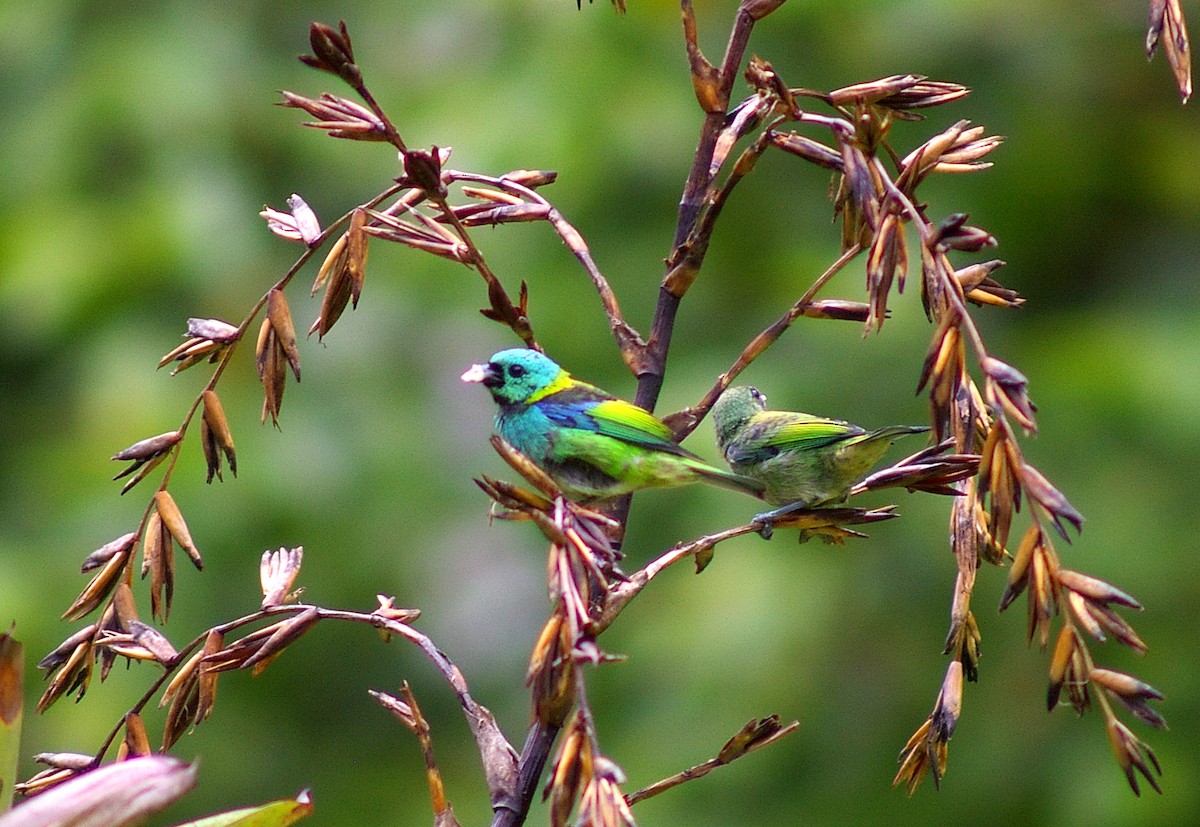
[(768, 435), (627, 422)]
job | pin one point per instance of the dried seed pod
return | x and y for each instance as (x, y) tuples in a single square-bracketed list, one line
[(99, 587), (280, 316), (283, 634), (1095, 589), (173, 521), (424, 168), (272, 370), (106, 552), (551, 671), (758, 732), (356, 254), (335, 275), (1018, 574), (136, 743), (215, 437), (1039, 489), (145, 455), (75, 672), (339, 117), (182, 713), (1166, 18), (207, 684), (332, 52), (839, 309), (812, 151), (887, 259), (1132, 755), (206, 339), (158, 559), (573, 770), (531, 178)]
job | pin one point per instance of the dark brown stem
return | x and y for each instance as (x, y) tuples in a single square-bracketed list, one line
[(651, 368)]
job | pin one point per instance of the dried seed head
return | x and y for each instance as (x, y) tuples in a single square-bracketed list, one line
[(424, 168), (283, 634), (332, 52), (1068, 669), (573, 770)]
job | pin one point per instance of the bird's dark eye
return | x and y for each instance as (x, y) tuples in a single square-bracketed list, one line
[(516, 371)]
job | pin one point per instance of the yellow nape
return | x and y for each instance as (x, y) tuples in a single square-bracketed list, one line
[(560, 382)]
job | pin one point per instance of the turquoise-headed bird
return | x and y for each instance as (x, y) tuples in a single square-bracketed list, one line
[(593, 445), (804, 461)]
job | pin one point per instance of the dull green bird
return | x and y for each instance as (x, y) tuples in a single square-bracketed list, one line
[(593, 445), (804, 461)]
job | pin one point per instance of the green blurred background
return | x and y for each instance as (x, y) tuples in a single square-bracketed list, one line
[(140, 143)]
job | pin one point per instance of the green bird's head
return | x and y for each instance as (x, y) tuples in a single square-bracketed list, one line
[(734, 409), (515, 375)]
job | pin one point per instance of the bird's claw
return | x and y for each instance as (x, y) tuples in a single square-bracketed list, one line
[(766, 528)]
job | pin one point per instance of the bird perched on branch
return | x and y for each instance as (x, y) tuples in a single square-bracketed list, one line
[(593, 445), (804, 461)]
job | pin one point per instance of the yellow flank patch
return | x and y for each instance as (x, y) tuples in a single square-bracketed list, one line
[(559, 383)]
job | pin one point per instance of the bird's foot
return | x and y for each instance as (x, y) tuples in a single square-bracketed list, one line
[(766, 520), (765, 529)]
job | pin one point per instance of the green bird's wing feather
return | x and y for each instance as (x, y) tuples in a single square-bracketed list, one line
[(776, 435), (629, 423)]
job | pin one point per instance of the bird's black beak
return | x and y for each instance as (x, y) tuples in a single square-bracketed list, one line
[(486, 374)]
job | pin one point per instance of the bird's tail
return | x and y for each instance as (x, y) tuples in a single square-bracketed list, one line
[(727, 479), (894, 432)]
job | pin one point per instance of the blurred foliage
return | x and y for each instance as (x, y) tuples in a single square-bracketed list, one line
[(141, 143)]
